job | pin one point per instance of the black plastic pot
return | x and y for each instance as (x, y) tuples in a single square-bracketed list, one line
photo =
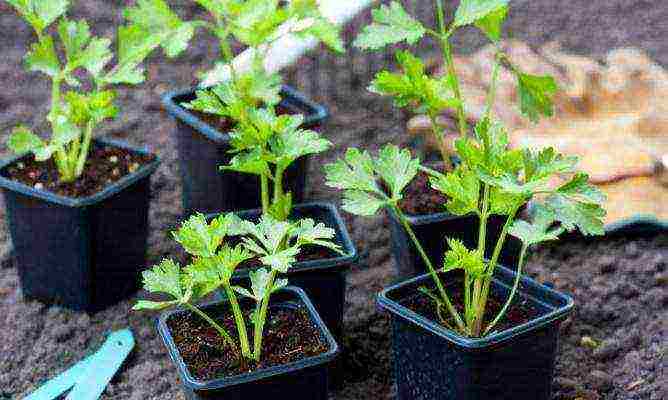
[(306, 379), (432, 231), (323, 280), (202, 150), (83, 253), (432, 362)]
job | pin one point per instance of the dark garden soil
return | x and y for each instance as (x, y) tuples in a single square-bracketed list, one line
[(105, 165), (613, 346), (289, 336), (420, 198), (518, 313)]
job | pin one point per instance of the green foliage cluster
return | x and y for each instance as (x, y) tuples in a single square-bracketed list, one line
[(264, 143), (63, 57), (491, 179), (272, 243)]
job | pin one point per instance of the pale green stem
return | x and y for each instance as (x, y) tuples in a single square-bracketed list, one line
[(264, 189), (503, 311), (478, 282), (261, 318), (83, 152), (221, 331), (432, 271), (278, 184), (450, 64), (495, 257), (239, 320)]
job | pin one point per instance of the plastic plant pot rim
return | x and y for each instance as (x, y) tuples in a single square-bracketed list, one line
[(470, 344), (289, 95), (346, 259), (215, 384), (426, 219), (98, 197)]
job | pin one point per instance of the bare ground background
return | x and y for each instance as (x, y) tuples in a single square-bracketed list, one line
[(619, 284)]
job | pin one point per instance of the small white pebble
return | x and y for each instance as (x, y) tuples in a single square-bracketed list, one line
[(20, 165), (113, 159), (115, 172), (39, 186), (133, 167)]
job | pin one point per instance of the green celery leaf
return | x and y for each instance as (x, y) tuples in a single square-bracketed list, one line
[(326, 32), (257, 21), (397, 168), (155, 18), (462, 188), (198, 237), (579, 189), (164, 278), (134, 45), (42, 57), (153, 305), (390, 25), (270, 233), (260, 281), (459, 257), (208, 102), (355, 171), (81, 49), (546, 163), (362, 203), (40, 13), (248, 163), (310, 233), (414, 87), (472, 11), (22, 140), (281, 261), (587, 217), (289, 145), (540, 230), (503, 203), (536, 94), (492, 23)]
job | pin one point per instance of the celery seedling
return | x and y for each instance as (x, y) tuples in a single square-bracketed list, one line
[(75, 114), (275, 244), (414, 88), (264, 143), (491, 179)]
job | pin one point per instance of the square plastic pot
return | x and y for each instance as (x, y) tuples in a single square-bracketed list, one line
[(323, 280), (202, 150), (81, 253), (432, 231), (306, 379), (432, 362)]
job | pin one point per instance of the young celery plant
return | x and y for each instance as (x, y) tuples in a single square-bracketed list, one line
[(75, 114), (415, 89), (265, 144), (273, 243), (514, 178)]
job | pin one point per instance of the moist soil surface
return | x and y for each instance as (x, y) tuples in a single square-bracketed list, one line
[(420, 198), (619, 285), (289, 336), (104, 166), (518, 313)]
